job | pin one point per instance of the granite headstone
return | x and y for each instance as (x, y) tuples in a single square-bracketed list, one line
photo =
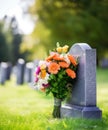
[(29, 72), (20, 71), (82, 103), (3, 72)]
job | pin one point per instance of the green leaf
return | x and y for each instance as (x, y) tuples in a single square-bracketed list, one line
[(48, 91)]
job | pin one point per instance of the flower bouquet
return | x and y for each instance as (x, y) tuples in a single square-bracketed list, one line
[(56, 75)]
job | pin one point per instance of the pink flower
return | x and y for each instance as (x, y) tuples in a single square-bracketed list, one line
[(36, 79), (45, 85), (37, 70)]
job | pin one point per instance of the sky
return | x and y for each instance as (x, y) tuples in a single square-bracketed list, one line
[(14, 8)]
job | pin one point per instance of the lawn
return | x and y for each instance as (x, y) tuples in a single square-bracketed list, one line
[(22, 108)]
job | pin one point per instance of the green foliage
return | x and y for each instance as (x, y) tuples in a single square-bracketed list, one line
[(58, 84), (10, 40), (4, 47), (71, 21), (17, 38)]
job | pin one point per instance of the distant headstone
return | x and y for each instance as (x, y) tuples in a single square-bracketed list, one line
[(20, 71), (9, 70), (3, 72), (82, 103), (36, 62), (104, 63), (29, 72)]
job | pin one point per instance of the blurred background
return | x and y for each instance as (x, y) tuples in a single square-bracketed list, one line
[(30, 28)]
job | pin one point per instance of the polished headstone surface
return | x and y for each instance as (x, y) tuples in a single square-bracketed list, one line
[(83, 99)]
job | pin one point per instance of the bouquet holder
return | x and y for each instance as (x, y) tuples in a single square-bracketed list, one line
[(57, 108)]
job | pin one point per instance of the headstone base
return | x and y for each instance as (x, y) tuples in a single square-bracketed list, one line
[(81, 112)]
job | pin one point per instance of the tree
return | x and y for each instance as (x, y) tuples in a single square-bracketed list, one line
[(70, 21), (16, 41), (4, 47), (10, 40)]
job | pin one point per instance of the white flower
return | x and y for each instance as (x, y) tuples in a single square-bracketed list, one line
[(42, 81), (65, 58)]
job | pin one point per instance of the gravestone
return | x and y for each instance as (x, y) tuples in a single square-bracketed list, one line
[(104, 63), (20, 71), (29, 72), (82, 103), (3, 72), (9, 70)]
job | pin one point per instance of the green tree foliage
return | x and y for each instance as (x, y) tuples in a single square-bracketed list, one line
[(71, 21), (16, 40), (4, 47), (10, 40)]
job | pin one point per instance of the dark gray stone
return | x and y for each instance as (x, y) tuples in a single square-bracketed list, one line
[(83, 99), (81, 111), (3, 72), (9, 70), (104, 63), (29, 72), (20, 71)]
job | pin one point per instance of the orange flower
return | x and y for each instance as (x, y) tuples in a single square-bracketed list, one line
[(64, 64), (43, 73), (58, 58), (49, 58), (71, 73), (53, 68), (54, 56), (72, 59), (42, 89)]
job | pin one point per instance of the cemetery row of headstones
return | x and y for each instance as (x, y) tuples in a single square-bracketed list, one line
[(23, 72)]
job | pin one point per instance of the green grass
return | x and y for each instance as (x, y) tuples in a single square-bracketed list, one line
[(22, 108)]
